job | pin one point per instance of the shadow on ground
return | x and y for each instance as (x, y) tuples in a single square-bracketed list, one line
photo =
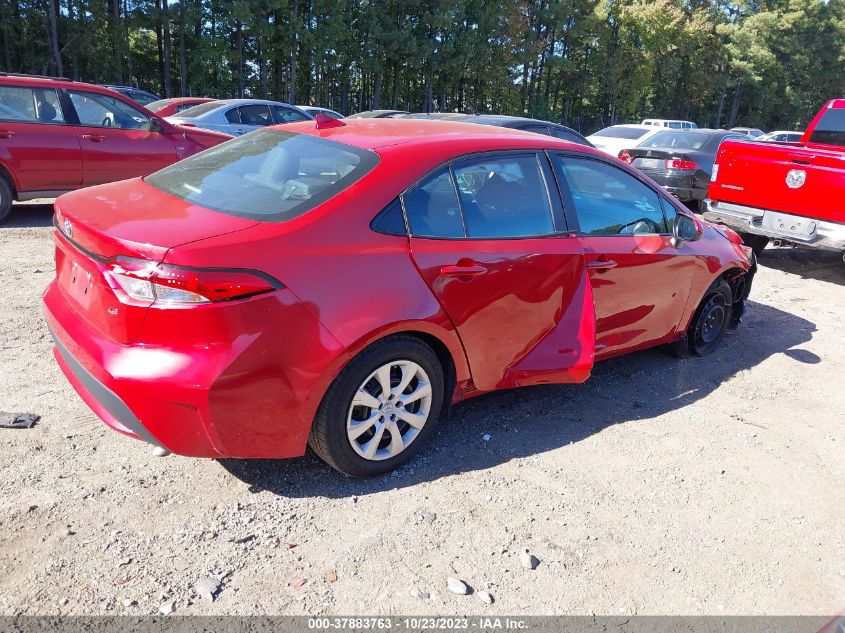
[(26, 215), (806, 263), (534, 420)]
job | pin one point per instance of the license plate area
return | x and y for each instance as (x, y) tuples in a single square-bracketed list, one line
[(791, 225), (648, 163)]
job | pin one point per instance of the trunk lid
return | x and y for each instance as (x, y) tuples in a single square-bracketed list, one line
[(124, 219), (756, 175)]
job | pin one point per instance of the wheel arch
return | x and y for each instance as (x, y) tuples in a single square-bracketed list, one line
[(7, 175)]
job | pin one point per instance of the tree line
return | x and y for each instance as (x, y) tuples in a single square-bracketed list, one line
[(586, 63)]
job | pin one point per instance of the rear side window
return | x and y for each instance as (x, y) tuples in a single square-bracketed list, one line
[(270, 175), (609, 201), (30, 105), (504, 197), (830, 130)]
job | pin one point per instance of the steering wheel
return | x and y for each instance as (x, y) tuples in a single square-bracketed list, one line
[(638, 227), (107, 122)]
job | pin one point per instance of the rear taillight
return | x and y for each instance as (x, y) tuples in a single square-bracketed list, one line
[(626, 156), (677, 163), (143, 280)]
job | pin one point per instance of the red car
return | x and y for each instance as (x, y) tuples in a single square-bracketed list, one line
[(169, 107), (58, 135), (345, 283)]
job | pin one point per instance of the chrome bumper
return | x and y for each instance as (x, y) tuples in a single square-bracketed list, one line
[(828, 236)]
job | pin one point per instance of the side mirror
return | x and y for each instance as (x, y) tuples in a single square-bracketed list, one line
[(686, 229), (156, 125)]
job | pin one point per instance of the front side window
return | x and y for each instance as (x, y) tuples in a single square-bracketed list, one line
[(30, 105), (503, 197), (609, 201), (288, 115), (257, 115), (432, 207), (270, 175), (97, 110)]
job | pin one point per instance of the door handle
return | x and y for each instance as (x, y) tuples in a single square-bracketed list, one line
[(94, 138), (601, 264), (469, 270), (6, 134)]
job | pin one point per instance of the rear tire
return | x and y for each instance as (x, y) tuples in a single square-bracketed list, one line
[(361, 429), (756, 242), (5, 199), (709, 323)]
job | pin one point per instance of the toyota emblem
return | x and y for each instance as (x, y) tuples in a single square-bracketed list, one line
[(68, 228), (796, 178)]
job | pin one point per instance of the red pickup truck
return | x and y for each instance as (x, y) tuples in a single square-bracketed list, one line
[(790, 192)]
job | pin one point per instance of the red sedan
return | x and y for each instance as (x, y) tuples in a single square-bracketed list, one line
[(344, 283)]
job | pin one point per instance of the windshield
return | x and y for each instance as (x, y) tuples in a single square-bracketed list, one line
[(269, 175), (677, 140), (830, 130), (198, 110), (622, 131)]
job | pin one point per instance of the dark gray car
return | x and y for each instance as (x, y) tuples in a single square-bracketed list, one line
[(680, 160)]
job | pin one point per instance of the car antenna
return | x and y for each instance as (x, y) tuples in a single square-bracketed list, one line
[(324, 121)]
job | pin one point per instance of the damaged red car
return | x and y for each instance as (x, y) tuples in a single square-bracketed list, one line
[(343, 283)]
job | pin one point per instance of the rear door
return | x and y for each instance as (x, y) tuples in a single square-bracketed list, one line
[(37, 144), (489, 240), (246, 118), (116, 139), (640, 281)]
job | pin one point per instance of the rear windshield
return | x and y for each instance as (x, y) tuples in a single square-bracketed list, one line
[(621, 131), (830, 130), (677, 140), (198, 110), (268, 175)]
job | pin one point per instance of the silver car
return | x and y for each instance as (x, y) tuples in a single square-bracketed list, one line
[(238, 116), (314, 111)]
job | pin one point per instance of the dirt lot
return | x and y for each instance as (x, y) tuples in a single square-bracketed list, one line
[(710, 486)]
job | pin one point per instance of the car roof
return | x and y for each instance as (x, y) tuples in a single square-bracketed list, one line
[(11, 79), (373, 134)]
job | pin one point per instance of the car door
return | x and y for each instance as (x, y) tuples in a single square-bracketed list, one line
[(117, 140), (246, 118), (640, 280), (37, 145), (488, 239)]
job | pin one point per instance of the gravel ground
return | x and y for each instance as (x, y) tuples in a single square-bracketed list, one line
[(711, 486)]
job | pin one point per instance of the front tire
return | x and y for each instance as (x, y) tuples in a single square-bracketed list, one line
[(5, 199), (709, 323), (381, 409)]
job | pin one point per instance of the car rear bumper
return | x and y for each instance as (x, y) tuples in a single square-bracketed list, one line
[(680, 184), (827, 235), (246, 394)]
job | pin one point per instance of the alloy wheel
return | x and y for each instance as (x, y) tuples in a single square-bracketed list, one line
[(389, 410)]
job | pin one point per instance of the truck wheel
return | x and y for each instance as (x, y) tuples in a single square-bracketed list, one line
[(709, 323), (381, 408), (756, 242), (5, 199)]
